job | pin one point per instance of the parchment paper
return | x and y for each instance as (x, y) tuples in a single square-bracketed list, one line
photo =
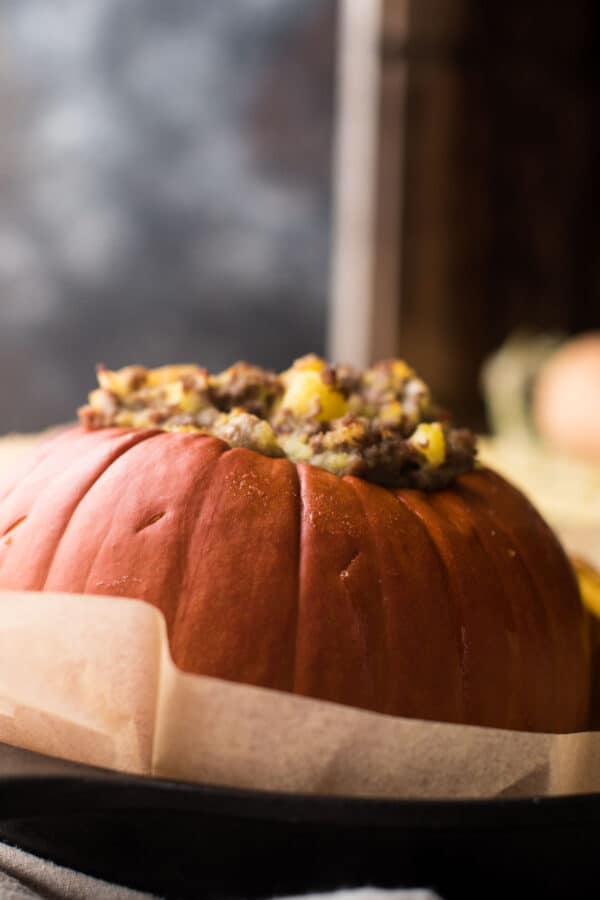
[(90, 678)]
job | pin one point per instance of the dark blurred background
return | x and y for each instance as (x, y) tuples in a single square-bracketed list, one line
[(165, 173)]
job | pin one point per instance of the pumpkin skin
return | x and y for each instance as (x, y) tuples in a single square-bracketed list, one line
[(457, 605)]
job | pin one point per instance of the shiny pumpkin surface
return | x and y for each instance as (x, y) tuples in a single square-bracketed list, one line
[(456, 605)]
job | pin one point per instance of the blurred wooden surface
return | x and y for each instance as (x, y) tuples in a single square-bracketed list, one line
[(493, 178), (389, 190), (353, 299)]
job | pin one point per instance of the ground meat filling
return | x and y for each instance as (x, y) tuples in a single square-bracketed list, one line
[(379, 424)]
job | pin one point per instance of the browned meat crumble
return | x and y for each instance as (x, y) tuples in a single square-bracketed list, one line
[(379, 423)]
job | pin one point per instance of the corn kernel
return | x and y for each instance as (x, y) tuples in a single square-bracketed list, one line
[(186, 429), (119, 382), (308, 394), (391, 413), (168, 374), (401, 370), (309, 363), (185, 401), (589, 586), (428, 438)]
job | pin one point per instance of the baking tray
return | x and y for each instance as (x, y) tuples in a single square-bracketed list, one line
[(182, 840)]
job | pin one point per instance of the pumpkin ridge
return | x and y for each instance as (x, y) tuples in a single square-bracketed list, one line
[(419, 628), (335, 634), (487, 511), (188, 543), (483, 635), (455, 609), (41, 452), (371, 627), (560, 686), (242, 577), (183, 608), (565, 685), (300, 489), (513, 688), (520, 557), (136, 438), (356, 486), (154, 434)]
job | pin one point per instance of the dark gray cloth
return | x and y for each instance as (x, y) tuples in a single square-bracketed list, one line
[(24, 877)]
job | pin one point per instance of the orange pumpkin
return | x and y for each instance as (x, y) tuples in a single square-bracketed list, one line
[(457, 605)]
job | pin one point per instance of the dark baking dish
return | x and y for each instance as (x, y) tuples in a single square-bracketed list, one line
[(182, 840)]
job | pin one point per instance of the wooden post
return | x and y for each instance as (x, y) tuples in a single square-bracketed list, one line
[(363, 321), (368, 182)]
